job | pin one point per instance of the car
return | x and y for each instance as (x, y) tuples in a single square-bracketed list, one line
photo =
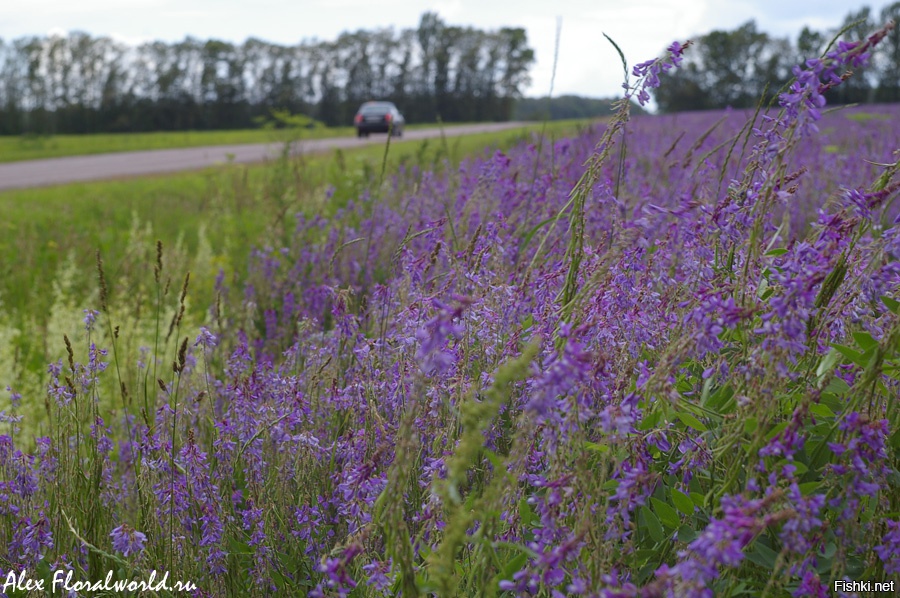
[(378, 117)]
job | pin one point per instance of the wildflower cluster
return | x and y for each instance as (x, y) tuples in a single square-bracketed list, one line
[(648, 72), (804, 100), (682, 393)]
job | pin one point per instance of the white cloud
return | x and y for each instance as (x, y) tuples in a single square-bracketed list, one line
[(130, 40), (451, 10)]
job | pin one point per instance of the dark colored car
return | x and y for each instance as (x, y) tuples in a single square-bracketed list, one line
[(378, 117)]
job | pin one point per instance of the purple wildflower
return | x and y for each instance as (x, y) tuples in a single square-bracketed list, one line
[(127, 540), (90, 316), (648, 71), (811, 586), (889, 549), (206, 339), (433, 356)]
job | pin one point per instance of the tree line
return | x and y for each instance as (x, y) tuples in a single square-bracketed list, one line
[(732, 68), (564, 107), (77, 83)]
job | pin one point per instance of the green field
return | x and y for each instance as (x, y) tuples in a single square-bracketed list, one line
[(36, 147), (207, 221)]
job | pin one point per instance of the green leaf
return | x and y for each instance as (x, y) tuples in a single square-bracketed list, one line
[(719, 398), (642, 556), (836, 386), (828, 362), (776, 430), (42, 571), (650, 421), (527, 515), (851, 354), (514, 565), (763, 556), (893, 479), (821, 410), (704, 395), (237, 546), (596, 448), (527, 238), (892, 371), (750, 425), (865, 340), (776, 252), (698, 499), (495, 459), (891, 304), (683, 502), (691, 421), (687, 534), (425, 585), (528, 322), (280, 580), (808, 488), (667, 514), (654, 528)]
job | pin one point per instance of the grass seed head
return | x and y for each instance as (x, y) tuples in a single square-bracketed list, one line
[(157, 269), (104, 291)]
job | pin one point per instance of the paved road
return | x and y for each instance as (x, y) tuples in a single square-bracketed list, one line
[(56, 171)]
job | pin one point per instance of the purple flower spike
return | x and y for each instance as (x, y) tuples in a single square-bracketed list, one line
[(127, 540), (889, 550), (648, 72)]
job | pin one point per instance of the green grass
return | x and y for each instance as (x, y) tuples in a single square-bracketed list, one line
[(36, 147), (867, 116)]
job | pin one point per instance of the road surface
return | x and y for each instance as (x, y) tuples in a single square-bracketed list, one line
[(72, 169)]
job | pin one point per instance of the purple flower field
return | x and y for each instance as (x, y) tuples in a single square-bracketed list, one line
[(661, 358)]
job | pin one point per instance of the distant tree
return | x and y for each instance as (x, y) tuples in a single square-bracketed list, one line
[(401, 82), (517, 59), (684, 90), (11, 84), (737, 65), (738, 68), (355, 59), (444, 52), (329, 108), (887, 58), (561, 107), (430, 26), (468, 86), (77, 83), (384, 61), (860, 87), (810, 43), (37, 105)]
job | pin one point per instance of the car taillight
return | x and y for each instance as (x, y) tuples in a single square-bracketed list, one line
[(358, 118), (388, 117)]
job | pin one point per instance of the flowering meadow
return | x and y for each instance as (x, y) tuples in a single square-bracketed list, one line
[(660, 358)]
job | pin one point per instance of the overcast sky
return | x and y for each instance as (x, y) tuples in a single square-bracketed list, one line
[(587, 63)]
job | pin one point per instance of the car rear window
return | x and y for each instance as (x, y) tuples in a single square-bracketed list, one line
[(375, 109)]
